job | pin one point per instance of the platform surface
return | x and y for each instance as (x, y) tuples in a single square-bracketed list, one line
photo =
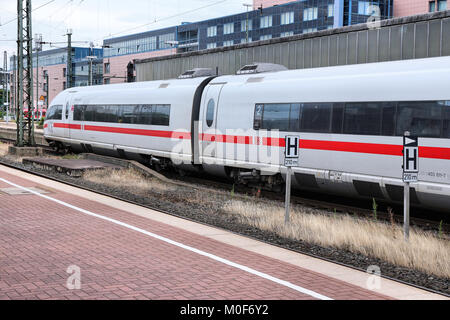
[(13, 125), (72, 164), (123, 251)]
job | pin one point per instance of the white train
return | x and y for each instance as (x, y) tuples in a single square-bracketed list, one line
[(350, 119)]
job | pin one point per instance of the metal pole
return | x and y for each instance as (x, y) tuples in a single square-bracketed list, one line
[(406, 211), (20, 141), (90, 72), (38, 48), (69, 59), (37, 81), (15, 85), (246, 27), (5, 77), (288, 195), (7, 87), (406, 202), (48, 88), (30, 141)]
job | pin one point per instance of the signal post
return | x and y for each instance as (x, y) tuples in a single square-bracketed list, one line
[(410, 174), (291, 157)]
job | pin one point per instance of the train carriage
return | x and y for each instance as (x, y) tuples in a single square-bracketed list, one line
[(350, 119)]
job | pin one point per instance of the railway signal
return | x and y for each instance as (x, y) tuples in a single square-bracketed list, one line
[(291, 156), (410, 174)]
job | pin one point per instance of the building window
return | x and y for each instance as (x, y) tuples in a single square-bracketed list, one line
[(107, 67), (164, 41), (310, 14), (331, 10), (329, 27), (228, 43), (366, 8), (309, 30), (442, 5), (287, 18), (64, 85), (244, 25), (432, 6), (107, 81), (245, 40), (287, 34), (265, 37), (228, 28), (266, 22), (212, 31), (64, 72), (211, 45)]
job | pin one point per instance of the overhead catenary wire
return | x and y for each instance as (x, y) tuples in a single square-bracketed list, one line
[(37, 8), (165, 18)]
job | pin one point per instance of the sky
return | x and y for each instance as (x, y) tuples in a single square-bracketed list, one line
[(96, 20)]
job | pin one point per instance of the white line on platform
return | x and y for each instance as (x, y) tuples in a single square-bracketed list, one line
[(180, 245)]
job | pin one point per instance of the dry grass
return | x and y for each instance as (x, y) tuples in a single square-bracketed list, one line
[(424, 252), (125, 178), (3, 149)]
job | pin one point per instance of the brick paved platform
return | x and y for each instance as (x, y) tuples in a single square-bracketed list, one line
[(40, 239)]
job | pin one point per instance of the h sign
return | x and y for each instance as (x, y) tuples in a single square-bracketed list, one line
[(292, 151), (410, 159)]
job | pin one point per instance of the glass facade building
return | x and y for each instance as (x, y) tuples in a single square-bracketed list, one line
[(292, 18)]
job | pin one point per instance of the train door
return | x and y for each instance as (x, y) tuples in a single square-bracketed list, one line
[(209, 134), (66, 116)]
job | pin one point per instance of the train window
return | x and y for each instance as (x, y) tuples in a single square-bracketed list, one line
[(146, 115), (161, 115), (422, 119), (337, 118), (446, 117), (89, 113), (294, 117), (316, 117), (128, 114), (258, 116), (362, 118), (388, 120), (210, 113), (78, 112), (106, 114), (54, 113), (276, 117)]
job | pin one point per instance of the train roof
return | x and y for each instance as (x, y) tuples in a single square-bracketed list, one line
[(439, 64), (406, 80)]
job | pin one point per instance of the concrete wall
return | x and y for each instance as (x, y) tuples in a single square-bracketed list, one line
[(420, 36)]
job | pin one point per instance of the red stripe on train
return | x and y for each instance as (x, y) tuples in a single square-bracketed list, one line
[(140, 132), (67, 126), (434, 153), (358, 147), (354, 147)]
